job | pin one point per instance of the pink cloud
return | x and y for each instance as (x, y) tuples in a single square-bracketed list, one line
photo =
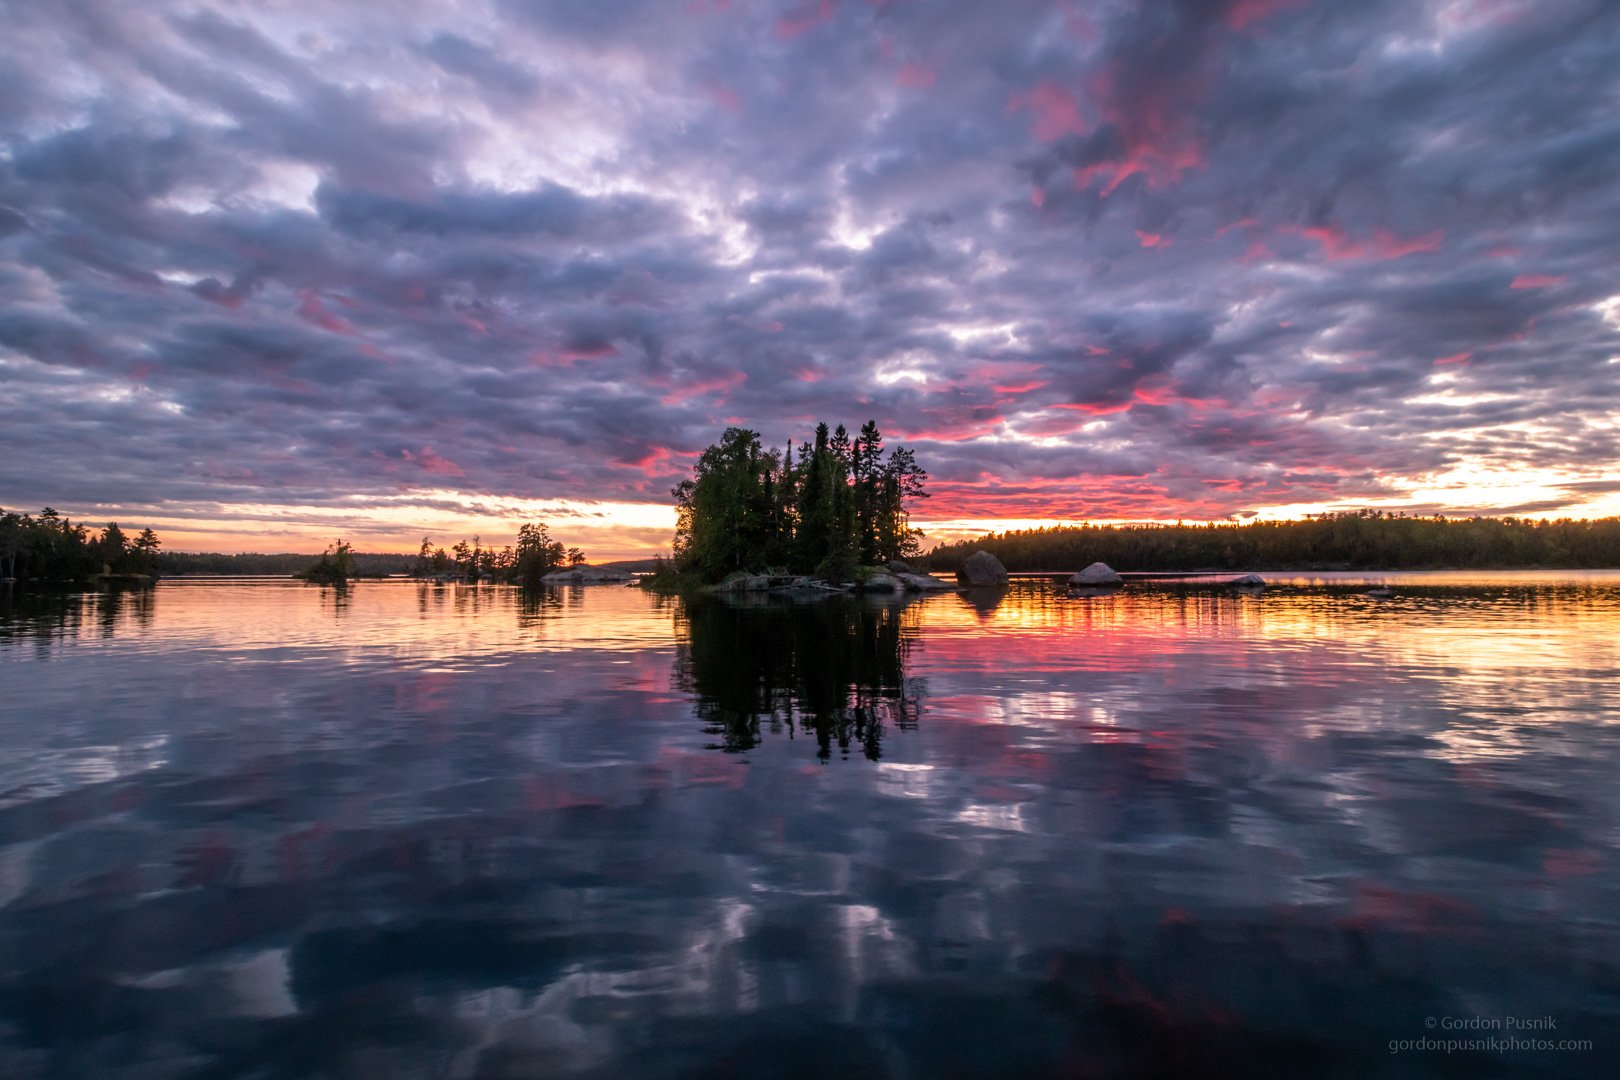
[(1020, 388), (1056, 111), (917, 76), (1338, 246), (1537, 281), (572, 357), (431, 462), (700, 389), (804, 19), (1454, 358), (1151, 240), (725, 97), (1245, 13), (1093, 408), (312, 311), (1161, 391), (1240, 223), (1153, 118)]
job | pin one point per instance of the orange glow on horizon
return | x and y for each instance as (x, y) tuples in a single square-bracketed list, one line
[(613, 530)]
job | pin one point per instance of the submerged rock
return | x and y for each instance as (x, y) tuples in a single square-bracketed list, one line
[(1383, 592), (982, 568), (1097, 574)]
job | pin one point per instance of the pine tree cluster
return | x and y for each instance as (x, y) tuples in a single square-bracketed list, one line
[(841, 503)]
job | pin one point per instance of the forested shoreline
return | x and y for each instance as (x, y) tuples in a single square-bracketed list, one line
[(819, 515), (1359, 540), (53, 548), (526, 563)]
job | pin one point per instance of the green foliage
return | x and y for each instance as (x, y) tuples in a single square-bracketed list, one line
[(52, 548), (842, 502), (1366, 539), (336, 565), (537, 555)]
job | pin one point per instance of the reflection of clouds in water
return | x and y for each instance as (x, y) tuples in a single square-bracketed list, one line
[(1107, 835)]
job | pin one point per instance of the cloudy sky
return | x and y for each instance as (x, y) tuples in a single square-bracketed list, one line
[(269, 271)]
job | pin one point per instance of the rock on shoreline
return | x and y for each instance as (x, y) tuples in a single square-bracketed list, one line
[(587, 575), (982, 568), (1097, 574)]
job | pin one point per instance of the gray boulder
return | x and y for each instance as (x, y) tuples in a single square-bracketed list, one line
[(1248, 582), (743, 583), (1097, 574), (881, 583), (922, 583), (899, 566), (982, 568)]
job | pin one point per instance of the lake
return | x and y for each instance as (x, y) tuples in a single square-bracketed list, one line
[(268, 829)]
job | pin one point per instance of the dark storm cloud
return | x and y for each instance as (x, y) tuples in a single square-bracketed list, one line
[(1125, 259)]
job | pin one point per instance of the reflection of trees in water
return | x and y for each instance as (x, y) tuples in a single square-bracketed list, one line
[(835, 668), (534, 607), (537, 605), (337, 598), (46, 615)]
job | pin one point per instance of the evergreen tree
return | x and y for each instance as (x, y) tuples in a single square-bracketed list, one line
[(112, 548), (536, 555)]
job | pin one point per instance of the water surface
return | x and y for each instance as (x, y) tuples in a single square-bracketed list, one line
[(276, 830)]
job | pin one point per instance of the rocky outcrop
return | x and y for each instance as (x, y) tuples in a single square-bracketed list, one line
[(1097, 574), (740, 582), (881, 583), (587, 575), (773, 583), (982, 568), (923, 583), (899, 566), (878, 583)]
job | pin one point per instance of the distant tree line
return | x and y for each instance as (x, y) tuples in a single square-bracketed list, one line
[(534, 556), (1357, 540), (840, 504), (52, 548), (282, 564)]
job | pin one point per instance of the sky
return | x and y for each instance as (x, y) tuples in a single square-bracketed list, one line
[(272, 273)]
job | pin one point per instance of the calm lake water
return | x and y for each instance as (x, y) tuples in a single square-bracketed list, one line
[(274, 830)]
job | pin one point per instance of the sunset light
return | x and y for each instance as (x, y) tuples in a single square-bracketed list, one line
[(533, 261)]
